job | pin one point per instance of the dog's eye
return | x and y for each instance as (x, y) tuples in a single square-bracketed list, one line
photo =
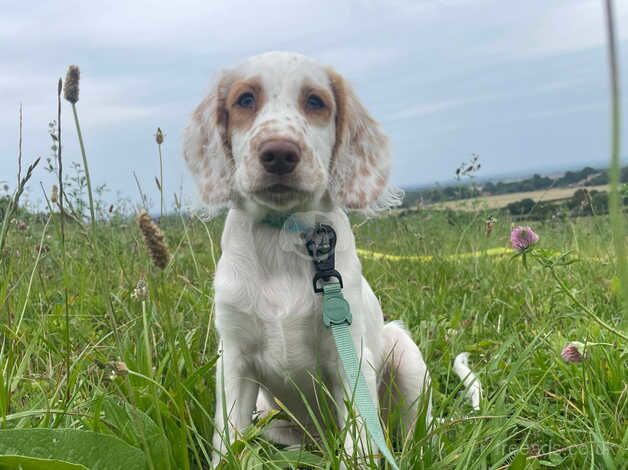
[(246, 100), (315, 102)]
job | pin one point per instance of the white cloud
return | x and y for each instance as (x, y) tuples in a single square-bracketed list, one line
[(103, 100), (424, 109), (358, 60), (573, 109), (555, 28), (185, 25), (565, 84), (574, 27)]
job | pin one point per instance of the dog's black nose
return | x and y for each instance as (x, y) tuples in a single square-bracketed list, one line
[(279, 157)]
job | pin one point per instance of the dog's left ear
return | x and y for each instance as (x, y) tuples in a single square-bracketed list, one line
[(207, 148), (361, 159)]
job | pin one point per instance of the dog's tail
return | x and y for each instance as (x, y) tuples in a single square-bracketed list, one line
[(472, 385)]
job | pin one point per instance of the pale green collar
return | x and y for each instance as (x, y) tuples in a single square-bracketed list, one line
[(287, 222)]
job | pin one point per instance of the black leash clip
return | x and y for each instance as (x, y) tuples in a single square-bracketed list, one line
[(320, 243)]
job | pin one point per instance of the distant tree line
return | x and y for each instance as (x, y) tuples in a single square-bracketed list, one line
[(584, 202), (587, 176), (441, 194)]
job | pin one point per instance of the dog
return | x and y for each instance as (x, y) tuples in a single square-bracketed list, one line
[(282, 136)]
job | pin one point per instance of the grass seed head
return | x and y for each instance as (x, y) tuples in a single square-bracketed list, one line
[(141, 290), (71, 85), (159, 136), (120, 368), (54, 196), (154, 240), (490, 223)]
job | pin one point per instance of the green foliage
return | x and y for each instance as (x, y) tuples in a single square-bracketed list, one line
[(534, 183), (12, 462), (573, 177), (514, 322), (583, 203), (522, 207), (57, 448), (440, 194), (4, 205)]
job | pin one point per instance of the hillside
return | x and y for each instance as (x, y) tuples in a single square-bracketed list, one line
[(498, 201), (548, 186)]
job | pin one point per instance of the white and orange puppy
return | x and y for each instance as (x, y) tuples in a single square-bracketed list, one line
[(277, 135)]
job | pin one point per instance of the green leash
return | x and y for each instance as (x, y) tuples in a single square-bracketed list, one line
[(320, 243), (337, 316)]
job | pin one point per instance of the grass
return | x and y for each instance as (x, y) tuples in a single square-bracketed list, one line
[(513, 320)]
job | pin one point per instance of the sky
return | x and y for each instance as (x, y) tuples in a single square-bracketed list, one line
[(522, 84)]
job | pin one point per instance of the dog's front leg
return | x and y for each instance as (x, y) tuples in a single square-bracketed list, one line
[(342, 393), (236, 392)]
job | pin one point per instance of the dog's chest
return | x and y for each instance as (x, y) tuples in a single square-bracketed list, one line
[(295, 340), (294, 349), (276, 320)]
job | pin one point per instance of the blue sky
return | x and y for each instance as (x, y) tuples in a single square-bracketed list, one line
[(523, 84)]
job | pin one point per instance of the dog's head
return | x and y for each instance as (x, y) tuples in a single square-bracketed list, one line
[(282, 133)]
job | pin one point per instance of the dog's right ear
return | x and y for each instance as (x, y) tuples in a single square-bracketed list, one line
[(207, 147)]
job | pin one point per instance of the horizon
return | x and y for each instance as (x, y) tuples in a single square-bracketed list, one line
[(548, 170)]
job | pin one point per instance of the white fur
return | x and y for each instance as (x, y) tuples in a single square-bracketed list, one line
[(472, 385), (272, 338)]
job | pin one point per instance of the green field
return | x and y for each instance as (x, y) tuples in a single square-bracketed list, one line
[(500, 201), (77, 312)]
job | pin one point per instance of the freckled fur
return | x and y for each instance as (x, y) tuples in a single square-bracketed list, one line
[(241, 119), (318, 117), (349, 149), (267, 316)]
